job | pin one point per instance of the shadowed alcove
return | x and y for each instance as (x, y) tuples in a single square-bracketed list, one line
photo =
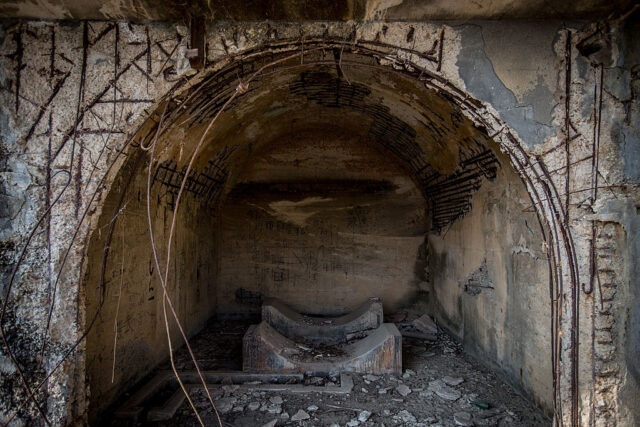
[(323, 183)]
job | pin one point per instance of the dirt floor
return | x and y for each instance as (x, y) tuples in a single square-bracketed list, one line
[(440, 386)]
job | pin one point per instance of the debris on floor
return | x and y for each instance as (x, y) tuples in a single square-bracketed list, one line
[(440, 386)]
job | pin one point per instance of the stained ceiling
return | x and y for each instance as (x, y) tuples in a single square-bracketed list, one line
[(441, 150)]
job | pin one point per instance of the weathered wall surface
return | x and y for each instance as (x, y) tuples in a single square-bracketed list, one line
[(569, 132), (65, 122), (628, 81), (322, 222), (489, 286), (129, 337)]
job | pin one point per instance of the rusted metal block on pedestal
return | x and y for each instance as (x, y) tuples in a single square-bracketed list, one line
[(320, 330), (266, 350)]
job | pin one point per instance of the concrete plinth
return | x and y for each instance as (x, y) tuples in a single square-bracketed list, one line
[(266, 350)]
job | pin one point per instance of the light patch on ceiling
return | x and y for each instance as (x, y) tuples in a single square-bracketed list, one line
[(376, 9), (49, 9), (296, 212), (121, 9)]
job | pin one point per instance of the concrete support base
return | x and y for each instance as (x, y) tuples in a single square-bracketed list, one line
[(317, 330), (266, 350)]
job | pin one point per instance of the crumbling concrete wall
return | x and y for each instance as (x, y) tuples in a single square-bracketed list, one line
[(489, 279), (322, 222), (565, 120), (128, 337), (66, 116)]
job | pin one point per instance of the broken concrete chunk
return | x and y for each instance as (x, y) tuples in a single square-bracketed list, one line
[(406, 416), (364, 416), (403, 390), (225, 405), (274, 409), (372, 378), (277, 400), (300, 415), (271, 423), (478, 281), (425, 324), (435, 385), (230, 388), (408, 373), (463, 419), (444, 391), (253, 406), (448, 393), (452, 381)]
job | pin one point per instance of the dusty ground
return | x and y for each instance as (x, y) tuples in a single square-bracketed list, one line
[(437, 388)]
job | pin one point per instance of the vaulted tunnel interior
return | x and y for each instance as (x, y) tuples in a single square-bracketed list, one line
[(330, 179)]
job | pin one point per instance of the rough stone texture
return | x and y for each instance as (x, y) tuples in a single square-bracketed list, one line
[(490, 285), (60, 134), (373, 393), (478, 281), (74, 94), (608, 237)]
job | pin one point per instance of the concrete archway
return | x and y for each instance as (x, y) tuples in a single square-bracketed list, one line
[(75, 124), (442, 137)]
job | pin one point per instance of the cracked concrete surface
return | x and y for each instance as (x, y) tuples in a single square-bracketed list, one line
[(73, 93)]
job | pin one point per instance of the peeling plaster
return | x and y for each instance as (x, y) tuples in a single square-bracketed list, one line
[(480, 78), (522, 64)]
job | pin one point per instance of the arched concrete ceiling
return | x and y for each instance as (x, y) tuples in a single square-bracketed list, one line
[(299, 10), (441, 150)]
